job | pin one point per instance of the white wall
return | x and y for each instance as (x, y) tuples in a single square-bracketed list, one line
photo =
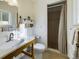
[(37, 9), (41, 20), (72, 19), (69, 32), (26, 8)]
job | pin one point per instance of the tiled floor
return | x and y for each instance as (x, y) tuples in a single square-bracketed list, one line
[(37, 56), (53, 55), (48, 54)]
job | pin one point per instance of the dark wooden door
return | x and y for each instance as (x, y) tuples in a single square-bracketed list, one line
[(53, 26)]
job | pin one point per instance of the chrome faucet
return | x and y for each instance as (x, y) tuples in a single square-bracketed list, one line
[(11, 36)]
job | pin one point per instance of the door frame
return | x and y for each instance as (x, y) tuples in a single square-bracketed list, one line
[(60, 3)]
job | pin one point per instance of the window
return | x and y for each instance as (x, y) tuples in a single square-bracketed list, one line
[(4, 15)]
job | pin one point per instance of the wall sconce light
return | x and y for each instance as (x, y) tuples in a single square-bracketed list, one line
[(27, 21)]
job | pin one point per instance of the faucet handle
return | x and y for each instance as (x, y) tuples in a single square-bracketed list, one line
[(11, 34)]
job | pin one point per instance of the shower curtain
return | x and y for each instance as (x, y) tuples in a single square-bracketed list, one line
[(62, 36)]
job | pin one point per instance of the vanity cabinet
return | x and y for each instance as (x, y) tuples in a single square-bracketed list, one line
[(18, 50)]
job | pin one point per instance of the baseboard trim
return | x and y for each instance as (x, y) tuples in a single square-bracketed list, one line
[(53, 50)]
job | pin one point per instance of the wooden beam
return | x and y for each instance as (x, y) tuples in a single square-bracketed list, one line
[(27, 53)]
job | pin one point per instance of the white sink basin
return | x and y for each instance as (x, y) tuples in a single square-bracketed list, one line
[(10, 44), (8, 47)]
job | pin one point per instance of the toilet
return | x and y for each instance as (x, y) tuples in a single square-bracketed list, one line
[(39, 49)]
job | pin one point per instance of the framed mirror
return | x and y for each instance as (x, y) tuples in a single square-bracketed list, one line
[(8, 16)]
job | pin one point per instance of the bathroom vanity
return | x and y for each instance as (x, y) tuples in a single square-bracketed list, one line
[(17, 49), (9, 21)]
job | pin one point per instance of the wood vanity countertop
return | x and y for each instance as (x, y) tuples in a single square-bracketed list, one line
[(5, 52)]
